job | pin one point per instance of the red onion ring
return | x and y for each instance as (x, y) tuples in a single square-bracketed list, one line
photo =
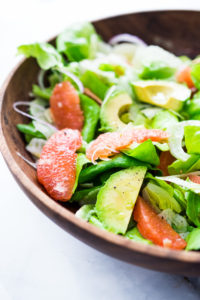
[(126, 37)]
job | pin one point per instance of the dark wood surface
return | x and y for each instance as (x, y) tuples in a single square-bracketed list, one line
[(177, 31)]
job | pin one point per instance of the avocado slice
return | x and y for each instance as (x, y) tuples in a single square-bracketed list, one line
[(112, 108), (166, 94), (116, 199)]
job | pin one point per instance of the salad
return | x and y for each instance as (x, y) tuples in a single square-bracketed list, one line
[(115, 128)]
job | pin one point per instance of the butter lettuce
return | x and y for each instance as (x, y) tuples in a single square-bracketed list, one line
[(192, 107), (85, 212), (157, 70), (192, 139), (80, 162), (94, 83), (193, 207), (181, 167), (193, 240), (164, 119), (46, 55), (160, 198), (78, 42), (195, 74), (145, 152), (135, 236)]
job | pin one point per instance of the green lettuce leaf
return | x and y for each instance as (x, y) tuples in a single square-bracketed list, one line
[(186, 184), (156, 70), (179, 195), (164, 119), (46, 130), (181, 167), (30, 130), (93, 82), (192, 139), (42, 93), (85, 212), (86, 196), (95, 221), (80, 162), (161, 146), (160, 183), (135, 236), (193, 207), (195, 74), (176, 134), (192, 107), (193, 240), (35, 146), (78, 42), (145, 152), (45, 54), (160, 198)]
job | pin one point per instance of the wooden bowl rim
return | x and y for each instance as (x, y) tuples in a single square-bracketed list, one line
[(53, 206)]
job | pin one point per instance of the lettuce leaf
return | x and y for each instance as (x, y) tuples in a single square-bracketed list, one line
[(160, 198), (164, 119), (85, 212), (156, 70), (193, 240), (92, 81), (135, 236), (86, 196), (95, 221), (46, 55), (145, 152), (195, 187), (192, 107), (78, 42), (160, 183), (80, 162), (179, 195), (176, 134), (42, 93), (192, 139), (145, 56), (195, 74), (161, 146), (46, 130), (181, 167), (193, 207), (35, 146), (30, 130)]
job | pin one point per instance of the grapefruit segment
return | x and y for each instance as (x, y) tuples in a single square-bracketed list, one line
[(184, 76), (65, 106), (110, 143), (154, 228), (194, 178), (166, 159), (56, 168)]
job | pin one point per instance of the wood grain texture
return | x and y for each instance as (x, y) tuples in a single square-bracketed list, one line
[(177, 31)]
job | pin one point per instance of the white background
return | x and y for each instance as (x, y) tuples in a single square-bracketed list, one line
[(38, 260)]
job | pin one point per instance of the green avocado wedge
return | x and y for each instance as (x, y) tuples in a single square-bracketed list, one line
[(116, 199), (166, 94), (111, 110)]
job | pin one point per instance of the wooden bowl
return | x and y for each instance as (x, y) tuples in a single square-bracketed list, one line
[(177, 31)]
